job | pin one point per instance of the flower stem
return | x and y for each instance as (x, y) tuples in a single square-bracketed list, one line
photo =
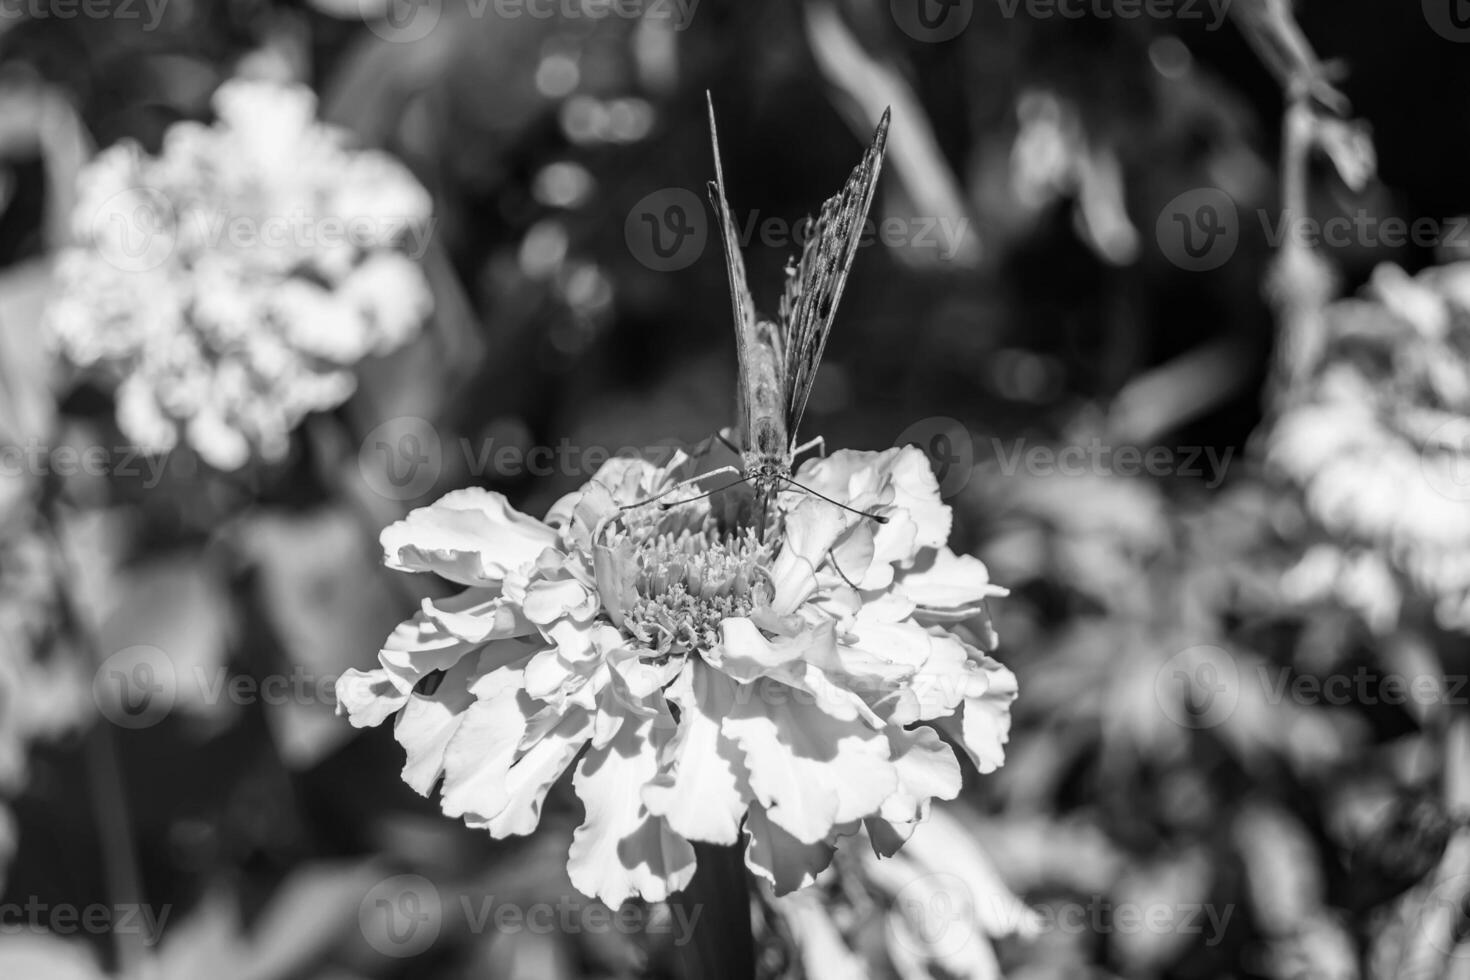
[(717, 904)]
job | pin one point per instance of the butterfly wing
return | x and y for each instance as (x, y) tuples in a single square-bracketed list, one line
[(757, 343), (814, 283)]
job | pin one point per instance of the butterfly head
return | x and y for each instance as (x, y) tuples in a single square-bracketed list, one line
[(766, 472)]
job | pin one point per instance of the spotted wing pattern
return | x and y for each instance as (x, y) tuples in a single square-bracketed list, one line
[(814, 283)]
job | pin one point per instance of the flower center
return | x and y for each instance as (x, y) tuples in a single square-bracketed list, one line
[(689, 582)]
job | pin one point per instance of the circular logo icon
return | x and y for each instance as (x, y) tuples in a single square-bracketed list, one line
[(1199, 230), (402, 916), (932, 20), (940, 912), (1440, 915), (950, 448), (401, 459), (134, 229), (401, 21), (1445, 460), (1450, 19), (667, 229), (135, 687), (1198, 687)]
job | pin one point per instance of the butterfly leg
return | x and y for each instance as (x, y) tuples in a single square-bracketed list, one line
[(709, 444), (819, 444)]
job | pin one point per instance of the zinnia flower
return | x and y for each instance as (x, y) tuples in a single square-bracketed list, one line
[(228, 285), (714, 683)]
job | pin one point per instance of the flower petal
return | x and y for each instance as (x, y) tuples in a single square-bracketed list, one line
[(986, 724), (477, 615), (478, 757), (699, 788), (899, 481), (780, 858), (942, 580), (926, 769), (550, 600), (811, 528), (534, 773), (745, 653), (470, 536), (368, 697), (622, 850), (428, 722), (810, 769)]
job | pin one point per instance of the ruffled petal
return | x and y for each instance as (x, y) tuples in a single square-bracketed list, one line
[(900, 483), (926, 769), (745, 653), (942, 580), (534, 773), (780, 858), (478, 757), (811, 529), (916, 491), (477, 616), (368, 697), (700, 788), (473, 537), (548, 600), (622, 850), (427, 723), (810, 769), (985, 725)]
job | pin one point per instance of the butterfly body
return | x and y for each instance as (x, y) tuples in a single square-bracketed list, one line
[(766, 445), (779, 357)]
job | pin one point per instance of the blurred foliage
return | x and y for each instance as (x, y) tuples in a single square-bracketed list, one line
[(1334, 833)]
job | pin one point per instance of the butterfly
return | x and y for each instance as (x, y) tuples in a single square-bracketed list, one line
[(779, 358)]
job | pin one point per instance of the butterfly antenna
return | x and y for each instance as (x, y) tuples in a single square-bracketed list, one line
[(690, 500), (821, 496)]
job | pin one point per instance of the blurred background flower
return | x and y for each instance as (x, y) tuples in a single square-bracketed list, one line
[(230, 284)]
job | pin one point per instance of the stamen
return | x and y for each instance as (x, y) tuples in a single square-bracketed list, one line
[(688, 582)]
